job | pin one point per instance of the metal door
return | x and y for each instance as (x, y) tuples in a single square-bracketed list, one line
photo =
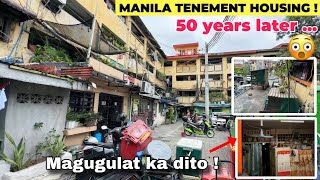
[(110, 106)]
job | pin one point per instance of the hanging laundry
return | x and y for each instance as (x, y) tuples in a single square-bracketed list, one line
[(3, 99)]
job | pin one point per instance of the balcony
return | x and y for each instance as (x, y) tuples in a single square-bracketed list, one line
[(135, 43), (184, 84), (214, 84), (186, 99), (169, 70), (107, 17), (105, 69), (213, 68), (186, 69)]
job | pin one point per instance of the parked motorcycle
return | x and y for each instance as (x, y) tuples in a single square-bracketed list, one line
[(130, 141), (203, 128)]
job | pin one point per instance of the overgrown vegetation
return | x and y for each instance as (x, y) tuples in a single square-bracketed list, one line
[(47, 53), (244, 71), (217, 97), (161, 76), (170, 115), (18, 162), (86, 118), (53, 143), (281, 70)]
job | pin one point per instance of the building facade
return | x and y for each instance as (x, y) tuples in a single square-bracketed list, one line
[(186, 69), (124, 57)]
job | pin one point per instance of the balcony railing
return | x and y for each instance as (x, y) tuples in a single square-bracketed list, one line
[(184, 84), (214, 84), (186, 99), (186, 69), (213, 68)]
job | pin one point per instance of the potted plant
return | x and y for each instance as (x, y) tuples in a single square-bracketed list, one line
[(72, 119), (92, 118)]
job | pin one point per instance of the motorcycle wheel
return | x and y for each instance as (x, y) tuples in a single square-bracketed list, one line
[(210, 133), (188, 133)]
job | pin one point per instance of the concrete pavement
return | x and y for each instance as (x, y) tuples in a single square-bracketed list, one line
[(170, 134)]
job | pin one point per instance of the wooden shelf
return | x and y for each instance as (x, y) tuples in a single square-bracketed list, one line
[(79, 130)]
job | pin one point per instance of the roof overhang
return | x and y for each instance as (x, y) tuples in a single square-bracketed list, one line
[(36, 77), (9, 7)]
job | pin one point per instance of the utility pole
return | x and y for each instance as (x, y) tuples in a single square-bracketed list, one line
[(93, 27), (206, 82)]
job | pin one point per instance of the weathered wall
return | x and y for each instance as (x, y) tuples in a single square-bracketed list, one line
[(21, 117), (159, 118)]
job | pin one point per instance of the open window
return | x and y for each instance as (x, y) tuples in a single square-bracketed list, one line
[(108, 36), (5, 28), (137, 33), (186, 78), (302, 71)]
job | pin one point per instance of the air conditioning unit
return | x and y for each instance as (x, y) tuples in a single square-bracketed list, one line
[(145, 87), (54, 5), (152, 90)]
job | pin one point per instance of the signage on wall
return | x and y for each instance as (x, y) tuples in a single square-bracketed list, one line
[(284, 168)]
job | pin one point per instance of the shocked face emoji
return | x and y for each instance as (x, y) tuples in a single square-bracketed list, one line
[(301, 46)]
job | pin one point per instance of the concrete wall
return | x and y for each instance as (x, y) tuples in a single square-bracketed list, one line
[(21, 117), (159, 118)]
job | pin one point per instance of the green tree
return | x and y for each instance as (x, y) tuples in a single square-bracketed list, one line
[(302, 21), (244, 71)]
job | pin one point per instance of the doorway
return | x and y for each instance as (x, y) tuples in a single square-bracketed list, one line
[(110, 106)]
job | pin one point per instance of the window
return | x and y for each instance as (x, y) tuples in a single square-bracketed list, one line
[(302, 70), (229, 60), (150, 68), (183, 52), (186, 78), (212, 61), (195, 51), (4, 29), (167, 63), (187, 93), (110, 4), (161, 107), (189, 52), (81, 101), (213, 77)]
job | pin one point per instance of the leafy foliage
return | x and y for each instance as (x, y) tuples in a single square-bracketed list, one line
[(161, 76), (281, 70), (47, 53), (53, 143), (88, 118), (171, 115), (17, 163), (216, 96), (244, 71)]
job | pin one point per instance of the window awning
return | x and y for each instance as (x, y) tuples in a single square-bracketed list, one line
[(16, 10)]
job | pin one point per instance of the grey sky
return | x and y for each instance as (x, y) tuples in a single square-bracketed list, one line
[(163, 28)]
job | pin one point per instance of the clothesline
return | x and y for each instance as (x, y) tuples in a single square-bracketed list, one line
[(4, 85)]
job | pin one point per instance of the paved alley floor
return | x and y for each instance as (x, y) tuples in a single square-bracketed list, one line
[(251, 104), (171, 134)]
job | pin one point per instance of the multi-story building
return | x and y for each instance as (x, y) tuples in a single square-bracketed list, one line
[(186, 72), (127, 72)]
